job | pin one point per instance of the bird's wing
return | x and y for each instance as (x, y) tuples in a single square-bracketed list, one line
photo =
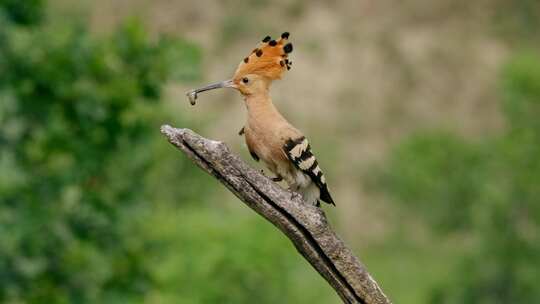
[(299, 153)]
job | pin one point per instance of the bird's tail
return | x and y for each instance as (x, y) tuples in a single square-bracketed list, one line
[(311, 193)]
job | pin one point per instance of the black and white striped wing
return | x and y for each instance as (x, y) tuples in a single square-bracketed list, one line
[(299, 153)]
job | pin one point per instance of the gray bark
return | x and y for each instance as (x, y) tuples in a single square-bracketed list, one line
[(305, 225)]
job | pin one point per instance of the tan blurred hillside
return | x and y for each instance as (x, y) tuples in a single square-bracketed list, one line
[(423, 114), (370, 72)]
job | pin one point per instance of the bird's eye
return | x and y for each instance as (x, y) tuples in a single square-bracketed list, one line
[(245, 80)]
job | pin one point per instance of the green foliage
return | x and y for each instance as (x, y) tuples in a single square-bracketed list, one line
[(488, 191), (229, 257), (76, 125), (521, 81), (23, 12), (424, 166), (95, 207)]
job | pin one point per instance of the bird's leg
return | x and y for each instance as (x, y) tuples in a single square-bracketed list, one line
[(278, 178), (294, 192)]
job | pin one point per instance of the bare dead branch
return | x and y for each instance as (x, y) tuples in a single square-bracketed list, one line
[(305, 225)]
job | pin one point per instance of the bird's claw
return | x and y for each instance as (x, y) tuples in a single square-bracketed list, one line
[(295, 195), (274, 179)]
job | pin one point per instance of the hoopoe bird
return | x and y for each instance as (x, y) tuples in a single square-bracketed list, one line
[(269, 136)]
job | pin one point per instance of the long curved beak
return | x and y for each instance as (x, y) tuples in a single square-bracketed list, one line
[(192, 95)]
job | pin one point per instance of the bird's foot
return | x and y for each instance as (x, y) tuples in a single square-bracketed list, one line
[(277, 178), (274, 179), (295, 195), (241, 132)]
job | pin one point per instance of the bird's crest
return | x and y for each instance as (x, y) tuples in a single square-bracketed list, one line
[(269, 59)]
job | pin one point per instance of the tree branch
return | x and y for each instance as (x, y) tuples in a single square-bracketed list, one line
[(305, 225)]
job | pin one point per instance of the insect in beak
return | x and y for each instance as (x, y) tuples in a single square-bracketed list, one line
[(192, 95)]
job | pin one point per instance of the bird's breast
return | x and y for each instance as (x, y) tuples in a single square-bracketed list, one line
[(265, 144), (268, 146)]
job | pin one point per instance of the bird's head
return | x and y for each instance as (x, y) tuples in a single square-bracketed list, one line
[(266, 63)]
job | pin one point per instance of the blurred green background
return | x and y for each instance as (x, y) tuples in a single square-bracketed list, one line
[(425, 115)]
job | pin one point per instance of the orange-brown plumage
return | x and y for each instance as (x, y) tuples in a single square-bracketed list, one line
[(265, 60), (269, 136)]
